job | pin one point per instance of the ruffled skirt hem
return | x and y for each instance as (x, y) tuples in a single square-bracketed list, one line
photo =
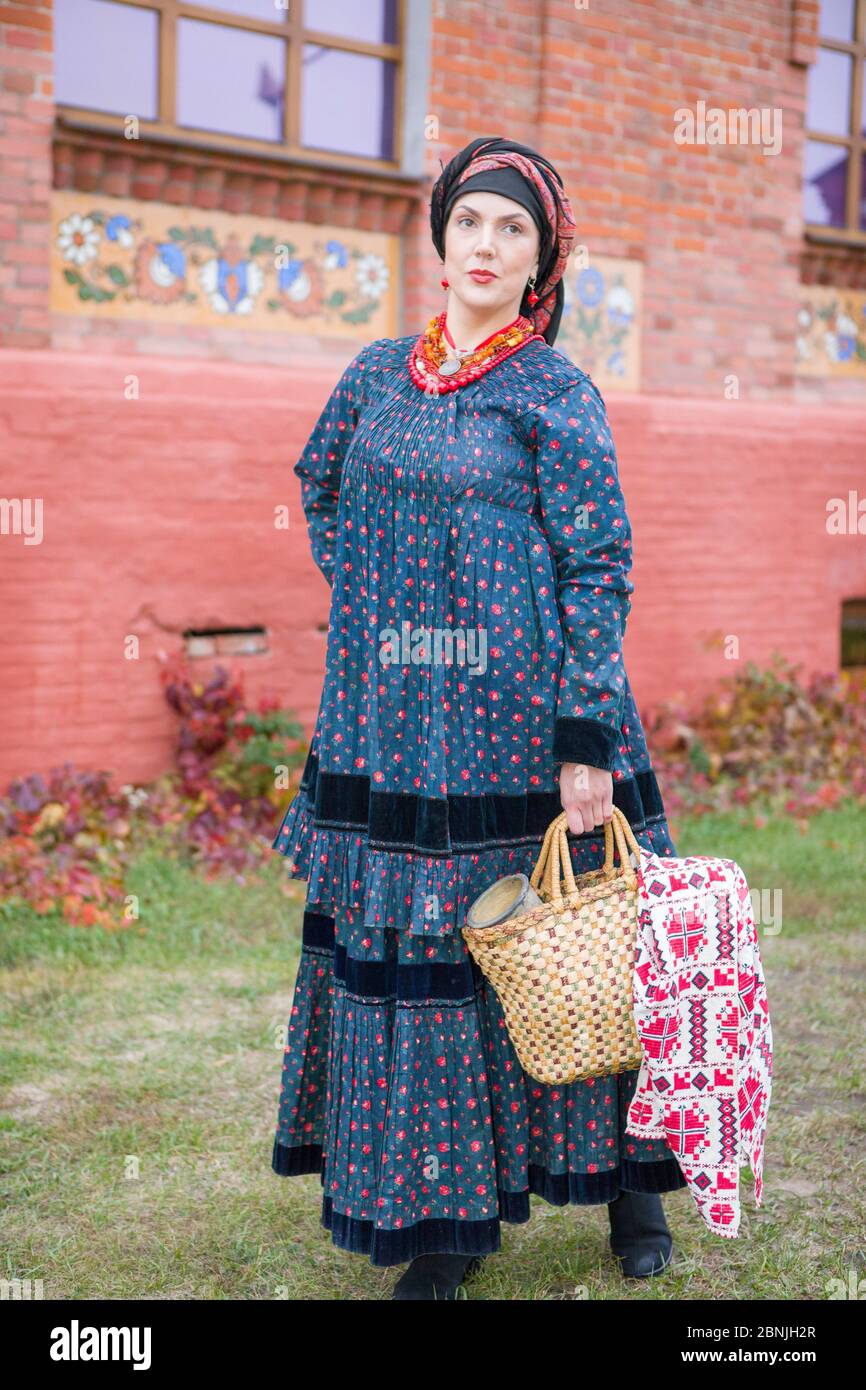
[(429, 894), (390, 1247)]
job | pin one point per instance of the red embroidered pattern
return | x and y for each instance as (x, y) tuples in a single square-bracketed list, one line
[(703, 1017)]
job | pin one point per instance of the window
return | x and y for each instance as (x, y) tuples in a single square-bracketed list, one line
[(835, 154), (318, 78), (853, 633)]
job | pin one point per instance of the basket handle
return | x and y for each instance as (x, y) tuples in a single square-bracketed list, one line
[(542, 863), (554, 860), (625, 841), (559, 863)]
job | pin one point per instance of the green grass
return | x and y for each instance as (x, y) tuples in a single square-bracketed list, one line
[(140, 1075)]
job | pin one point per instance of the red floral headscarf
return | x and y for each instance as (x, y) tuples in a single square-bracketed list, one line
[(520, 173)]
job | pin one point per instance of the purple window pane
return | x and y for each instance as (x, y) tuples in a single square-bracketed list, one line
[(105, 57), (374, 21), (828, 93), (347, 102), (251, 9), (230, 80), (836, 19), (825, 183)]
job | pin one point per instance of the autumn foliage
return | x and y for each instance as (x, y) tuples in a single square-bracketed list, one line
[(761, 742), (66, 840)]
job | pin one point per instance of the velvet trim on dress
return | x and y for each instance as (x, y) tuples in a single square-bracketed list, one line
[(585, 741), (434, 985), (388, 1247), (455, 824)]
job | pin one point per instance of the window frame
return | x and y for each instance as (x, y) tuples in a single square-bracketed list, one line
[(854, 142), (295, 35)]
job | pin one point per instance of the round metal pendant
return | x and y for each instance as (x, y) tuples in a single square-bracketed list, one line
[(449, 366)]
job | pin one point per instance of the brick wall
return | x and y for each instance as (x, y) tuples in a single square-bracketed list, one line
[(718, 228), (26, 115), (159, 517), (159, 512)]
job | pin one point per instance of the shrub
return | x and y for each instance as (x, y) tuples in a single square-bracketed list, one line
[(66, 841), (762, 735)]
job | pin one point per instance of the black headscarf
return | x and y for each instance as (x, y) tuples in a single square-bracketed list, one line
[(518, 172)]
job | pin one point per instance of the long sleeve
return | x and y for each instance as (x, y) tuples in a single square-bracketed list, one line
[(581, 510), (321, 463)]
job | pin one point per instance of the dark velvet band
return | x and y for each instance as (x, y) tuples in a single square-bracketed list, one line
[(420, 983), (318, 930), (585, 741), (386, 1247), (406, 822)]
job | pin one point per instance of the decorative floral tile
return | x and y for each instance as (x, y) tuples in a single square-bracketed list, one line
[(120, 258), (831, 332), (601, 320)]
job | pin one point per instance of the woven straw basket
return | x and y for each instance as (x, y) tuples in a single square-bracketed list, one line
[(563, 971)]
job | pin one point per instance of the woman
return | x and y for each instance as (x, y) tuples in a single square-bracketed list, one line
[(464, 505)]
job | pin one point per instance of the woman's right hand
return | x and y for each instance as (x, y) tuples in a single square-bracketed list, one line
[(586, 794)]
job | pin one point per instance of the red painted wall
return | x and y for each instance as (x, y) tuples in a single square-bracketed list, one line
[(158, 512), (159, 516)]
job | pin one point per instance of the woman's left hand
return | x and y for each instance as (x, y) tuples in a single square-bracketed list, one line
[(587, 796)]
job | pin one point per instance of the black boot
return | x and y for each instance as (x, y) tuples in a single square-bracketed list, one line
[(436, 1276), (639, 1234)]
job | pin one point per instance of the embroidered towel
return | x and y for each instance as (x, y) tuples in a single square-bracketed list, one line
[(703, 1018)]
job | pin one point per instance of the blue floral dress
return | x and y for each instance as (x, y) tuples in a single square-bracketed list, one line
[(478, 551)]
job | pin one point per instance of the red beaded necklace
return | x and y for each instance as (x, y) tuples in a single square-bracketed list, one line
[(435, 370)]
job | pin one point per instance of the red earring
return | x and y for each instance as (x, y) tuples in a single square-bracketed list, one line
[(532, 297), (444, 283)]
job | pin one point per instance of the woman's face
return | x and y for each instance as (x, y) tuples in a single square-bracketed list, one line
[(488, 232)]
